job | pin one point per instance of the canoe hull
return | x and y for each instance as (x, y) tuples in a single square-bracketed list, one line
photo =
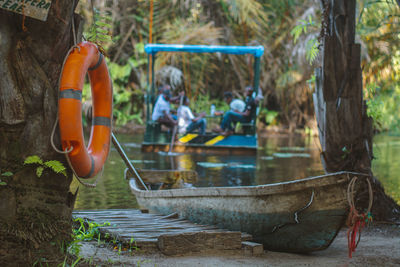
[(237, 144), (295, 216)]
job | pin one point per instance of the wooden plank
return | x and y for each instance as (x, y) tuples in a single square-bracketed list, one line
[(252, 248), (172, 245), (146, 231)]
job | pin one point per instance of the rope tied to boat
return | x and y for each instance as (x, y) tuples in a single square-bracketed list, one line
[(356, 221)]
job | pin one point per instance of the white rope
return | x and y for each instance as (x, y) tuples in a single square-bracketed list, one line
[(98, 176), (66, 151)]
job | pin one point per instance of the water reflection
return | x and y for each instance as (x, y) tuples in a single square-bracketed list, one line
[(385, 166), (278, 159)]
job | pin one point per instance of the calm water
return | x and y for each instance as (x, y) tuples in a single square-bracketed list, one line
[(279, 159)]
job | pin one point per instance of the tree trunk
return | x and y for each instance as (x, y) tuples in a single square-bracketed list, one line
[(35, 213), (345, 130)]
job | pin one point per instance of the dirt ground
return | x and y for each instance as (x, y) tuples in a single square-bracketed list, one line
[(379, 246)]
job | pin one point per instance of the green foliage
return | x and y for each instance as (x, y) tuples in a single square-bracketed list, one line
[(53, 165), (312, 50), (383, 107), (269, 117), (312, 44), (379, 26), (87, 231), (311, 82), (125, 95), (302, 27), (243, 22), (90, 231), (33, 160), (101, 29), (127, 98), (374, 105), (5, 174), (203, 104)]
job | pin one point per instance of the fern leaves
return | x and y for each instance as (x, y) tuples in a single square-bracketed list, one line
[(101, 30), (312, 44), (312, 50), (33, 160), (53, 165), (5, 174)]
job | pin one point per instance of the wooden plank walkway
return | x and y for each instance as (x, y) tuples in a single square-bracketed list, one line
[(169, 234)]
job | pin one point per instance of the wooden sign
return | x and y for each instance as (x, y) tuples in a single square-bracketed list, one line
[(37, 9)]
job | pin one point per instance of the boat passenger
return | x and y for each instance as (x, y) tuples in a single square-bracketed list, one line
[(187, 122), (161, 90), (236, 105), (246, 116), (162, 110)]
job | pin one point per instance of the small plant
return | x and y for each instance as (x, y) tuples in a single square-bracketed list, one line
[(101, 30), (5, 174), (87, 231), (312, 44), (269, 117), (346, 152), (54, 165)]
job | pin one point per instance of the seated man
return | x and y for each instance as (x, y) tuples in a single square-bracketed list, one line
[(246, 116), (235, 105), (162, 112), (187, 122)]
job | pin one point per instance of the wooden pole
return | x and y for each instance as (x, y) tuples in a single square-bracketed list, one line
[(345, 131)]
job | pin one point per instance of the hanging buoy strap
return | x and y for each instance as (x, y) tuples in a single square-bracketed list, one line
[(105, 121), (98, 63), (71, 93)]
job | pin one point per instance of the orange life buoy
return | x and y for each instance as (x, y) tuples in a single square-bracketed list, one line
[(86, 162)]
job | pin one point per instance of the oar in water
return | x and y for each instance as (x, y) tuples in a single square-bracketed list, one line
[(175, 127), (126, 160), (155, 176)]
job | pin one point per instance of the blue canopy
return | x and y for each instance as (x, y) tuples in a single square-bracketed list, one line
[(257, 51)]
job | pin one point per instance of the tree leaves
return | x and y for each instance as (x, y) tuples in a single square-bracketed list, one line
[(301, 28), (54, 165), (5, 174), (33, 160), (101, 30)]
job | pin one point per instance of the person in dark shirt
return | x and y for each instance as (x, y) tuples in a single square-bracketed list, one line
[(246, 116)]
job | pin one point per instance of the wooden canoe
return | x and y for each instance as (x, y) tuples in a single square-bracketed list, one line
[(298, 216)]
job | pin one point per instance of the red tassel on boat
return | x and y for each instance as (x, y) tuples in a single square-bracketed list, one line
[(356, 224)]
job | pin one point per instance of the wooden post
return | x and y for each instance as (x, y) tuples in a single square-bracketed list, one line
[(345, 131)]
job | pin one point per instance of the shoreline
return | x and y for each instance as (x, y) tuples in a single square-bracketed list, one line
[(379, 245)]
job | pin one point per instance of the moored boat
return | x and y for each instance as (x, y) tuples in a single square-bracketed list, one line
[(298, 216)]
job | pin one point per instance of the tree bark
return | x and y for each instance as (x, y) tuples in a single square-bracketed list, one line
[(345, 130), (35, 213)]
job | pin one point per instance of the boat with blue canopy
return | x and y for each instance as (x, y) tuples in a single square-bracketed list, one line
[(240, 142)]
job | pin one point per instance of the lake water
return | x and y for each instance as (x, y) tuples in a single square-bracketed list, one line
[(278, 159)]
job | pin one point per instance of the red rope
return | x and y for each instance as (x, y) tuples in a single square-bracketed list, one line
[(356, 221), (357, 224)]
